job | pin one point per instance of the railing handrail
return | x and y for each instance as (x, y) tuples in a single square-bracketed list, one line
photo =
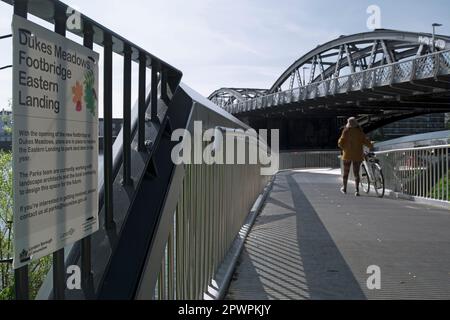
[(94, 24), (444, 146), (310, 151)]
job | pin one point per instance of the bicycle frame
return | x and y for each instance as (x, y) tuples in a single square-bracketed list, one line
[(369, 170)]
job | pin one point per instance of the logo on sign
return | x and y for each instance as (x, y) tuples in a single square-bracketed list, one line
[(24, 256)]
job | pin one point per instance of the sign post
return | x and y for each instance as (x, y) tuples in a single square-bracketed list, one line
[(55, 141)]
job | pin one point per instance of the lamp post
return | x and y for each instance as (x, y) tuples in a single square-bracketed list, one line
[(434, 35)]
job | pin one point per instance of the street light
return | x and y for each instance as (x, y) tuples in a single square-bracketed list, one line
[(434, 32)]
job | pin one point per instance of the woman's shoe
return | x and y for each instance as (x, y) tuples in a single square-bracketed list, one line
[(343, 190), (357, 193)]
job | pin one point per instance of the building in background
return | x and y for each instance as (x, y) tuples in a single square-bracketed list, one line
[(5, 129), (116, 127), (417, 125), (5, 122)]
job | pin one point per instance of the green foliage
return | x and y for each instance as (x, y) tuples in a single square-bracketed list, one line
[(89, 94), (440, 191), (6, 124), (6, 281), (38, 269)]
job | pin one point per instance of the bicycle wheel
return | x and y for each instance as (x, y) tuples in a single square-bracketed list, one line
[(378, 178), (364, 179)]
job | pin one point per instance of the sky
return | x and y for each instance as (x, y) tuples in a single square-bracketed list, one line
[(246, 43)]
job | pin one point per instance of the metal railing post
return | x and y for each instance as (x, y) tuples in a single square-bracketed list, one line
[(164, 96), (127, 116), (154, 92), (59, 274), (142, 101), (107, 128), (86, 261), (21, 281)]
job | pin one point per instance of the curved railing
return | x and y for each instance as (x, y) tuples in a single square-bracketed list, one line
[(423, 67), (421, 172)]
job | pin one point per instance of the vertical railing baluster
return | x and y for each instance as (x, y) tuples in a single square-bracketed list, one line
[(433, 176), (438, 174), (416, 172), (86, 263), (422, 173), (141, 100), (447, 174), (170, 267), (58, 256), (154, 92), (164, 96), (21, 281), (431, 162), (107, 129), (179, 261), (127, 116)]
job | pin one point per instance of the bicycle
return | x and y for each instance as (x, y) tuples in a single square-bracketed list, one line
[(372, 174)]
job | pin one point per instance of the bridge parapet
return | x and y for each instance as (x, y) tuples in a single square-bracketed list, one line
[(309, 159), (211, 206)]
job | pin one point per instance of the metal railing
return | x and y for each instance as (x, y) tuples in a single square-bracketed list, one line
[(309, 159), (214, 203), (164, 81), (419, 172), (423, 67)]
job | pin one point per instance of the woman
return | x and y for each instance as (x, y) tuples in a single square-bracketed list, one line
[(351, 142)]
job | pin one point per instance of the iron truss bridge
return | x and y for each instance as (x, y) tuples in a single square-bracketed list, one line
[(380, 76)]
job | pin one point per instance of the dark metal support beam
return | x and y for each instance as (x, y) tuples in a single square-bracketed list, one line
[(127, 116), (86, 258), (21, 283), (59, 272), (141, 100), (107, 127), (154, 93)]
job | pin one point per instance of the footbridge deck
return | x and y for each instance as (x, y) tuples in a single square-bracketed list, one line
[(312, 242)]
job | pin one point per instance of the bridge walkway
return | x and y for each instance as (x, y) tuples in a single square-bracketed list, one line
[(312, 242)]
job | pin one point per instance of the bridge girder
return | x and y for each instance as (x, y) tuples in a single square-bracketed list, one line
[(355, 53), (227, 96), (379, 77)]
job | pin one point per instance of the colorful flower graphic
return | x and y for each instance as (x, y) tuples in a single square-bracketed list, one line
[(77, 91)]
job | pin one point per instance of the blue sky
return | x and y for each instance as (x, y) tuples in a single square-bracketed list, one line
[(246, 43)]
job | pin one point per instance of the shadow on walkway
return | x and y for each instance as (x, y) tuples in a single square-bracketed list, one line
[(327, 274), (289, 254)]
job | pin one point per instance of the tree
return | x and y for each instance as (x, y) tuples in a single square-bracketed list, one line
[(37, 269), (5, 224), (6, 121)]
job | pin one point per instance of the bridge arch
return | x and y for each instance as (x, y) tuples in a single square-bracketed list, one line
[(227, 96), (358, 52), (379, 77)]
